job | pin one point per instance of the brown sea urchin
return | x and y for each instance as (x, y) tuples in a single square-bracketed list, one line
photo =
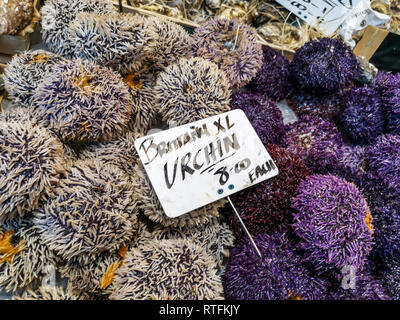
[(93, 210), (118, 41), (120, 152), (95, 277), (57, 14), (174, 42), (30, 164), (25, 72), (83, 102), (23, 255), (215, 237), (46, 293), (191, 90), (141, 87), (177, 269), (232, 46)]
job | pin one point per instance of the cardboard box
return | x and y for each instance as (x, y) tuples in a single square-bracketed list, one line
[(381, 48)]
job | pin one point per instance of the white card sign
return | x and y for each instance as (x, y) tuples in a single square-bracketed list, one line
[(203, 161), (325, 15)]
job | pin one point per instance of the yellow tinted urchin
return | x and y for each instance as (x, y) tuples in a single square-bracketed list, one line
[(191, 90), (83, 102), (150, 205), (232, 46), (141, 87), (23, 255), (93, 210), (177, 269), (31, 163), (93, 279), (25, 72)]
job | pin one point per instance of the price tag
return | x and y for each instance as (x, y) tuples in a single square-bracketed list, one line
[(325, 15), (201, 162)]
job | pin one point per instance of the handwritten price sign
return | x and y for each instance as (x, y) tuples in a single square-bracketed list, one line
[(325, 15), (201, 162)]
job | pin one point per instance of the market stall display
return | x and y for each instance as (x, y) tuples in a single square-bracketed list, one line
[(77, 200)]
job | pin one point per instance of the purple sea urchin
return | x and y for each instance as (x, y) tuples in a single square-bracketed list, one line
[(352, 165), (385, 81), (367, 287), (273, 79), (278, 275), (119, 41), (93, 210), (31, 163), (57, 14), (362, 118), (388, 86), (384, 204), (393, 121), (120, 152), (191, 90), (215, 237), (173, 43), (264, 115), (324, 65), (83, 102), (333, 222), (150, 205), (384, 159), (177, 269), (25, 72), (325, 106), (232, 46), (316, 141), (23, 255), (391, 277), (266, 205)]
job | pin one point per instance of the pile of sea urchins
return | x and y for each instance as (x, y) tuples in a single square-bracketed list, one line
[(76, 202)]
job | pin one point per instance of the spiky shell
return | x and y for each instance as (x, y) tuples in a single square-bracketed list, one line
[(232, 46), (31, 163), (57, 14), (93, 210), (191, 90), (83, 102), (177, 269), (25, 72), (119, 41)]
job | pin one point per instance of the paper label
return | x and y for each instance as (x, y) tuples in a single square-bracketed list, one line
[(201, 162), (325, 15)]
